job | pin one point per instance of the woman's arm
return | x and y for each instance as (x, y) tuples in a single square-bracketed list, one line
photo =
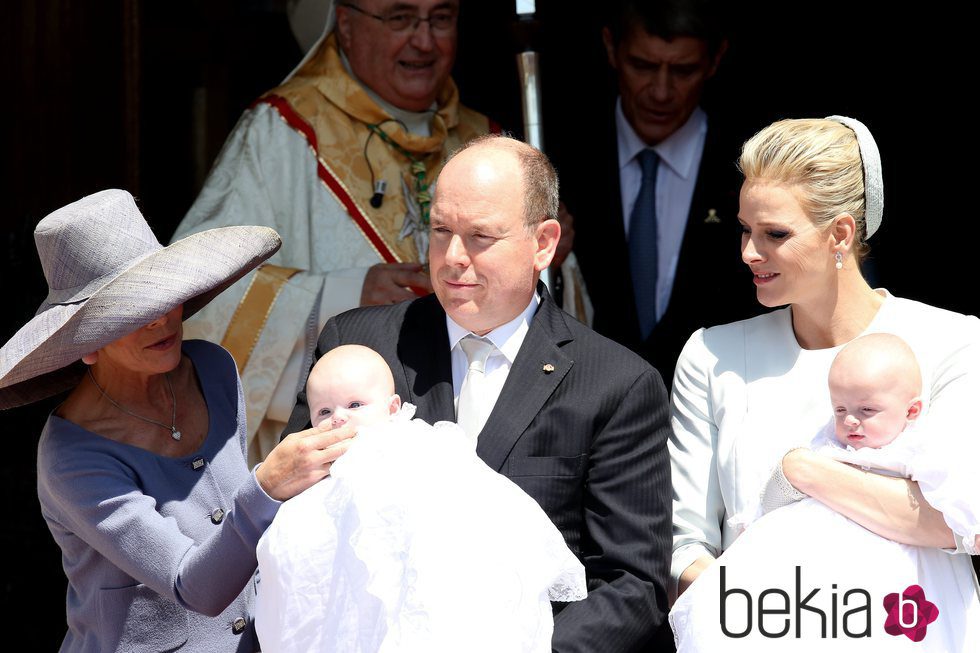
[(698, 506), (692, 572), (99, 500), (893, 508), (918, 512)]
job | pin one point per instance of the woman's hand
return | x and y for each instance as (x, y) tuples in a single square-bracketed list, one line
[(692, 572), (891, 507), (302, 459)]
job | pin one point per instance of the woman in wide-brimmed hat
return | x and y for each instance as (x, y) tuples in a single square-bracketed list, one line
[(141, 471)]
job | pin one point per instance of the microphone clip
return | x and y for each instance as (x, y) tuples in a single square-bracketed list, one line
[(380, 187)]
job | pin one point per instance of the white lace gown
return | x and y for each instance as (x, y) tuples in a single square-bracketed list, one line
[(412, 544), (836, 556)]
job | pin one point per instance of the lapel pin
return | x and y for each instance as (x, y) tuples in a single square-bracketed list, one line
[(712, 217), (548, 368)]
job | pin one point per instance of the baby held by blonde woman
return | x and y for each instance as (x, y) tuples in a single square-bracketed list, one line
[(799, 545), (413, 543), (875, 390)]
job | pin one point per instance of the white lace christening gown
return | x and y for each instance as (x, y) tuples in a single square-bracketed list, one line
[(805, 578), (412, 544)]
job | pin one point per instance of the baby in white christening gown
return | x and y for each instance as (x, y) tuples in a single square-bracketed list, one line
[(749, 599), (412, 543)]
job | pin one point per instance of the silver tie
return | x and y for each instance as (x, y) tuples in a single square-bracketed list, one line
[(472, 411)]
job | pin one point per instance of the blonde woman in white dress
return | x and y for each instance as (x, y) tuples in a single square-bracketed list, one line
[(747, 394)]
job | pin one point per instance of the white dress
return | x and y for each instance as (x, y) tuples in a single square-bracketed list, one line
[(745, 393), (412, 544), (809, 544)]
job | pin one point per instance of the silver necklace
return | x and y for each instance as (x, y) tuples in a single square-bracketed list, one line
[(174, 433)]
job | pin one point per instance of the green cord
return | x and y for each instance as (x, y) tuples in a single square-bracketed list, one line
[(422, 194)]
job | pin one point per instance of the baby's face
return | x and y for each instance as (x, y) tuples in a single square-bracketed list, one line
[(867, 415), (348, 397)]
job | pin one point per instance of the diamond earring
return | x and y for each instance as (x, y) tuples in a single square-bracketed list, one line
[(840, 260)]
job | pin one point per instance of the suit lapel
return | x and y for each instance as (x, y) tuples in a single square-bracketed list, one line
[(538, 370), (423, 349), (710, 210), (601, 245), (709, 246)]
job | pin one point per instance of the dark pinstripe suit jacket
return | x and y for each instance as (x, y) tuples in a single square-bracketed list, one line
[(586, 440)]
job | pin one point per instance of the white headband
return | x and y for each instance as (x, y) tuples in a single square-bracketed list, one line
[(874, 191)]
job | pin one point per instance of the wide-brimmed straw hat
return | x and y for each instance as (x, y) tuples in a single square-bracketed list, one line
[(108, 276)]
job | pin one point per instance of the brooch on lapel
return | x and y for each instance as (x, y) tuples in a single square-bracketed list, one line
[(548, 368), (712, 217)]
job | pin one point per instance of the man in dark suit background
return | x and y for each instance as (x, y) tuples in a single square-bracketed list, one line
[(655, 214), (576, 420)]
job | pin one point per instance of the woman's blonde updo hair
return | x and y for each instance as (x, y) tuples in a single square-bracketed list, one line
[(822, 159)]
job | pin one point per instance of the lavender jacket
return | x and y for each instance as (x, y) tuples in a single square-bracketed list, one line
[(159, 552)]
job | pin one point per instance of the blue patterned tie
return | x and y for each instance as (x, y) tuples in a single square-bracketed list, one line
[(643, 244)]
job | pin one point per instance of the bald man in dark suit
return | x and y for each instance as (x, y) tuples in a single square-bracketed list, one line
[(576, 420)]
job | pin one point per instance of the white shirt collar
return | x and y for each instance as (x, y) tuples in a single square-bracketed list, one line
[(675, 150), (507, 338)]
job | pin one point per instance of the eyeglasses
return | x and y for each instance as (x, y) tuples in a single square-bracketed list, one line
[(441, 20)]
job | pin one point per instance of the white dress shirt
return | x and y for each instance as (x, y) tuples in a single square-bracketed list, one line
[(680, 157), (507, 339)]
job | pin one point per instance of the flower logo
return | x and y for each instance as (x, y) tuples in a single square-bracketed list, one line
[(909, 613)]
